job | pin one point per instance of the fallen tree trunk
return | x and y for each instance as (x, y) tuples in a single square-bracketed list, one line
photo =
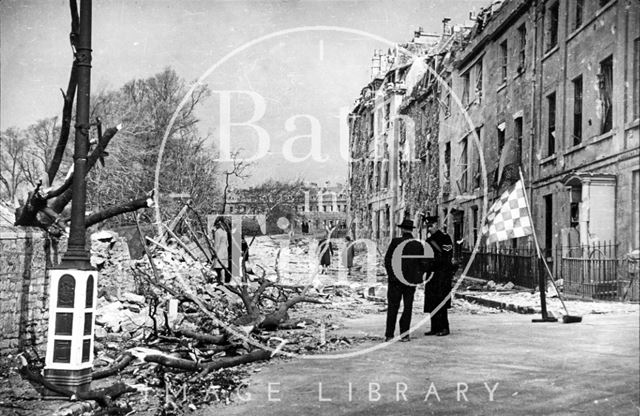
[(104, 396), (105, 214), (209, 339), (188, 365), (126, 359)]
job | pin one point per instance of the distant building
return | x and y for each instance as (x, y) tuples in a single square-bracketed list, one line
[(319, 206)]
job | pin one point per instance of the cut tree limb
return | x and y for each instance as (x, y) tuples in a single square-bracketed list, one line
[(210, 339), (187, 365), (103, 396), (119, 365), (110, 212)]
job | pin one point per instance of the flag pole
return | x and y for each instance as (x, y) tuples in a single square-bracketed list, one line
[(541, 277)]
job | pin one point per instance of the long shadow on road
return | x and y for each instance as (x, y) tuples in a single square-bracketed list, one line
[(499, 364)]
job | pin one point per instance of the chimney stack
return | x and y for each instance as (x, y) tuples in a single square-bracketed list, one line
[(446, 27)]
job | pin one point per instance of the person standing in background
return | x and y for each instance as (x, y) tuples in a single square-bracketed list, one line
[(222, 248)]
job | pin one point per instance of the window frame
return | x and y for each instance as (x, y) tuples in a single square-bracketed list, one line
[(504, 61), (578, 97), (551, 123), (553, 25), (522, 53)]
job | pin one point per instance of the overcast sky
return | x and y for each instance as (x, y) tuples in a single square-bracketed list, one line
[(312, 74)]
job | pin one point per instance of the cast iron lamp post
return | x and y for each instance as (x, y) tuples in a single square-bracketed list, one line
[(72, 289)]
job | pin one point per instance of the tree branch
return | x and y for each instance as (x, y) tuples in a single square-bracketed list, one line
[(136, 204), (60, 202), (182, 364), (67, 109)]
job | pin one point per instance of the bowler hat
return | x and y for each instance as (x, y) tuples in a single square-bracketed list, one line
[(406, 224)]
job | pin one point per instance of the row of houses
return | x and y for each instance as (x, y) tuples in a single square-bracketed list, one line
[(547, 88)]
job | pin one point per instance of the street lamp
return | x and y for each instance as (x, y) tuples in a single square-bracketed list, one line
[(72, 289)]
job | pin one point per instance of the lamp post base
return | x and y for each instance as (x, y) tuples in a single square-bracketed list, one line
[(74, 380)]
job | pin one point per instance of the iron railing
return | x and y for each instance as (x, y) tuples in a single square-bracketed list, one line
[(597, 271), (520, 266), (594, 271)]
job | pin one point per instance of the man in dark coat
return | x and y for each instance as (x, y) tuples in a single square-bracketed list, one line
[(438, 287), (402, 287)]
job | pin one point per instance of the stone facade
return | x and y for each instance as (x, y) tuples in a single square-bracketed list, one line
[(585, 160), (549, 88), (491, 118)]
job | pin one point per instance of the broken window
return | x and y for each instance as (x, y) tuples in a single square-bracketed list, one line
[(605, 84), (636, 78), (551, 132), (578, 16), (385, 176), (522, 53), (479, 79), (517, 132), (577, 111), (465, 88), (501, 133), (503, 60), (548, 224), (552, 26), (387, 114), (463, 164), (474, 223), (447, 160), (476, 164), (574, 206), (370, 116)]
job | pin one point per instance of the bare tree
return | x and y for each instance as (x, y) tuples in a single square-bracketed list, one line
[(13, 149), (139, 113), (238, 170)]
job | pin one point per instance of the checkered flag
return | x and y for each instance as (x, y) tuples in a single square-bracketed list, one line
[(508, 217)]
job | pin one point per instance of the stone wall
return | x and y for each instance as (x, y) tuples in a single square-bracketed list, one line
[(25, 257), (23, 289)]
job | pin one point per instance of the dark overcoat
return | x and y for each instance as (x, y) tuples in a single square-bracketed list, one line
[(325, 251), (413, 268), (439, 285)]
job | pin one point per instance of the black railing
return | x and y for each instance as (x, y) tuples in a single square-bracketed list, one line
[(520, 266), (590, 271), (594, 271)]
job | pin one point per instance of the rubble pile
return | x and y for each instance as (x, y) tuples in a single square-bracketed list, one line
[(144, 305), (110, 256)]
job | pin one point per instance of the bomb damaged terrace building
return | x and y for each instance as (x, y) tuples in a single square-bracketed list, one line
[(585, 160), (383, 141), (491, 119), (546, 88)]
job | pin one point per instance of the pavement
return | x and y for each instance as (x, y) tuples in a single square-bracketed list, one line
[(502, 364)]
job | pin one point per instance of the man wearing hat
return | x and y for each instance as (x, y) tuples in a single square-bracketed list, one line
[(438, 287), (402, 288)]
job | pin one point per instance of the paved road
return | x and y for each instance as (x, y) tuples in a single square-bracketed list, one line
[(591, 368)]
